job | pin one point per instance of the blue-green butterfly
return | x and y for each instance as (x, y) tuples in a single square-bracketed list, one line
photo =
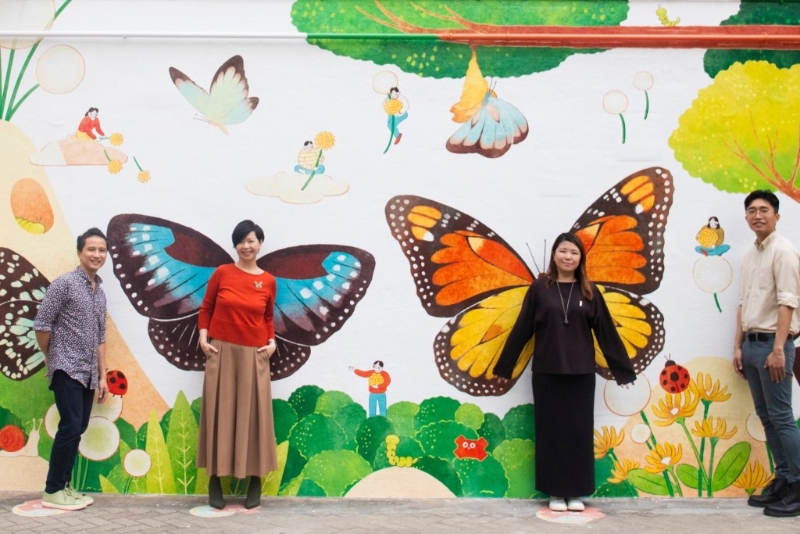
[(226, 102)]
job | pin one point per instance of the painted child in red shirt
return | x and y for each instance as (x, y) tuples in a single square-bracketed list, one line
[(379, 380)]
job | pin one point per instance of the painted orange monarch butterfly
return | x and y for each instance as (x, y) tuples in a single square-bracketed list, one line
[(464, 271)]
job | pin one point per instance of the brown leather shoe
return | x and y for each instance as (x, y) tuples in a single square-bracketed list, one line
[(773, 493)]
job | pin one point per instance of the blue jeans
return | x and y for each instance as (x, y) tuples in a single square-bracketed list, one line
[(397, 121), (773, 404), (377, 404), (74, 403)]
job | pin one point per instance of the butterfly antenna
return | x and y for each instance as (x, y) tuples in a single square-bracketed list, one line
[(200, 118), (538, 270)]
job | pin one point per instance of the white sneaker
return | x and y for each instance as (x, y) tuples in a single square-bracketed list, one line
[(575, 505), (557, 504)]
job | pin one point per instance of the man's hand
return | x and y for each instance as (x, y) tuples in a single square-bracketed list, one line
[(102, 390), (776, 363), (737, 361)]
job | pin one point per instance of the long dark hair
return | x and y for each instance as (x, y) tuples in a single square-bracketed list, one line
[(580, 272)]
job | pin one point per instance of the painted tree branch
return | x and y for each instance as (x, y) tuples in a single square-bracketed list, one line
[(758, 37)]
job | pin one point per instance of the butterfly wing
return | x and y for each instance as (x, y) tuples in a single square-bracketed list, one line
[(623, 233), (228, 101), (22, 288), (163, 268), (462, 267), (491, 131), (319, 287)]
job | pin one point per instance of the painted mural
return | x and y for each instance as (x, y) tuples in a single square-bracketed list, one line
[(435, 126)]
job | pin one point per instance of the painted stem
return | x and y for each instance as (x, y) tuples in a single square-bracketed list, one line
[(13, 110), (623, 127), (701, 467), (11, 107), (652, 435), (769, 457), (106, 154), (2, 95), (391, 137), (647, 105), (128, 484), (137, 164), (677, 483), (716, 301), (319, 157), (710, 490), (8, 73), (669, 484)]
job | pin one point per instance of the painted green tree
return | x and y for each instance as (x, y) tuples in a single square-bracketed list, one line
[(743, 131), (757, 12), (421, 35)]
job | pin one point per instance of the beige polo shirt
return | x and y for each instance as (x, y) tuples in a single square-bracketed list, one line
[(770, 277)]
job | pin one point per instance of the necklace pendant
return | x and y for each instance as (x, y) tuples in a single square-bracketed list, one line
[(566, 322)]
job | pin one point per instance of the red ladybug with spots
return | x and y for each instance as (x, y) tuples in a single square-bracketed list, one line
[(674, 378), (117, 383)]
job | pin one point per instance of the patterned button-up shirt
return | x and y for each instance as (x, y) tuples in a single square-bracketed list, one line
[(75, 316)]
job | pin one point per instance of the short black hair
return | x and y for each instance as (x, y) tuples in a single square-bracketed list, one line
[(763, 194), (90, 110), (394, 89), (244, 228), (308, 143), (91, 232), (378, 362)]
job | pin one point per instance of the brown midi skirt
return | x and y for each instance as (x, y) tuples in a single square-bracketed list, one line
[(237, 431)]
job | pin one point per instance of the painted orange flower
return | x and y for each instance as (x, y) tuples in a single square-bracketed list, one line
[(710, 392), (621, 469), (143, 176), (676, 405), (606, 441), (752, 478), (114, 166), (116, 139), (713, 428), (325, 140), (663, 457)]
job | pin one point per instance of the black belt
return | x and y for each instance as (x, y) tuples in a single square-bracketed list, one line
[(764, 336)]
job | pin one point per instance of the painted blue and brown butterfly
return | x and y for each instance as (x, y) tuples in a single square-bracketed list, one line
[(164, 267), (466, 272), (22, 288)]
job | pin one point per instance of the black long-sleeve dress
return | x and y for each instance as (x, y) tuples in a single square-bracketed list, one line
[(564, 380)]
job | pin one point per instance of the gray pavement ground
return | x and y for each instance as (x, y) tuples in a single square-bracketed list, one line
[(152, 514)]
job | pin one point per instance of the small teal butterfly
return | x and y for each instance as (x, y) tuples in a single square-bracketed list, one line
[(22, 289), (164, 267), (227, 102)]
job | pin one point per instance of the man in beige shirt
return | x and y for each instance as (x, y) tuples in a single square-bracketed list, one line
[(763, 350)]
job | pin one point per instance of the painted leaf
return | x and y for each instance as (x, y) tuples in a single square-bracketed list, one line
[(107, 486), (648, 482), (688, 475), (182, 445), (159, 478), (730, 466), (272, 480), (291, 489)]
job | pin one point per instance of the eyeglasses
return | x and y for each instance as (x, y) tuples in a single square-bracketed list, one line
[(763, 210)]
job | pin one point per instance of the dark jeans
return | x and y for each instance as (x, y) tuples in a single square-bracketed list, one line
[(74, 403)]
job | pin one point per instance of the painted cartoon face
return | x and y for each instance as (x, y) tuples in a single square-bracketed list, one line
[(394, 93), (568, 257), (248, 247), (93, 255), (471, 448), (93, 114), (377, 368)]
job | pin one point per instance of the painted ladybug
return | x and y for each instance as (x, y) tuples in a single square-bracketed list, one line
[(674, 378), (117, 383)]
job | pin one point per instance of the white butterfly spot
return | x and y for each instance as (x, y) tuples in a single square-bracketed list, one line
[(318, 285), (346, 285), (306, 293), (323, 310)]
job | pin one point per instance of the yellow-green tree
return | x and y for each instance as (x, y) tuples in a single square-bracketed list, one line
[(743, 131)]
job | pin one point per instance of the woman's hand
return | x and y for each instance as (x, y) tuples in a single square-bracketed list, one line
[(269, 348), (207, 348)]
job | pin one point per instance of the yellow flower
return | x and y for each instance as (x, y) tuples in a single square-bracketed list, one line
[(708, 428), (607, 441), (676, 405), (752, 478), (708, 392), (324, 140), (144, 176), (620, 472), (114, 166), (662, 457), (375, 379), (116, 139), (392, 106)]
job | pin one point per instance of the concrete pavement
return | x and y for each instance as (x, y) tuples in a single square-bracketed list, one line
[(153, 514)]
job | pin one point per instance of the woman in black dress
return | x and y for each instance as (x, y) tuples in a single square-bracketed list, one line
[(563, 309)]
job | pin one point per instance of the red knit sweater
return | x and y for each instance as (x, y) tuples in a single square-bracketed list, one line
[(238, 306)]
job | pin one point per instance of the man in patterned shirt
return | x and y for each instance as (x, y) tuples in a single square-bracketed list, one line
[(71, 332)]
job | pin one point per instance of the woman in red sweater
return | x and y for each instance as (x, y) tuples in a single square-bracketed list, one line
[(237, 435)]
